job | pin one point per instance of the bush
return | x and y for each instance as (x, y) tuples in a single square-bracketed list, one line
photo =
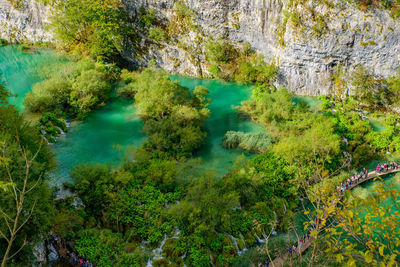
[(240, 64), (72, 88), (259, 141), (173, 125), (24, 47), (3, 42), (93, 27), (156, 34)]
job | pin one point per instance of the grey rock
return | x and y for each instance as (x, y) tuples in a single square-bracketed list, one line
[(53, 254), (305, 64)]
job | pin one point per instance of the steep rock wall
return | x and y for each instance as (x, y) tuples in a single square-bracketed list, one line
[(24, 24), (305, 62)]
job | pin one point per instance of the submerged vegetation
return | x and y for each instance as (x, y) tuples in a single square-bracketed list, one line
[(258, 142)]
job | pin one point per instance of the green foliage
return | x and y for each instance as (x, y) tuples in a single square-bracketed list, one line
[(318, 147), (182, 21), (107, 249), (367, 231), (15, 135), (51, 126), (255, 70), (306, 140), (24, 47), (240, 64), (74, 88), (156, 34), (17, 4), (370, 90), (259, 141), (94, 27), (3, 42), (91, 184), (173, 125)]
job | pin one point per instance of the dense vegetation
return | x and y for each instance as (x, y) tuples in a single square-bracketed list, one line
[(71, 88), (240, 64), (161, 198), (27, 209), (152, 200), (91, 27), (173, 115)]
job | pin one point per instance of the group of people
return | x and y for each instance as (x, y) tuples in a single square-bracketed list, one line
[(71, 254), (305, 237), (387, 166), (355, 179), (82, 261)]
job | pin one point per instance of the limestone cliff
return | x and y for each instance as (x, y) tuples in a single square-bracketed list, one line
[(306, 60), (24, 24)]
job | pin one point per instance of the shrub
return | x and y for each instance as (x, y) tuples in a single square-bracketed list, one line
[(259, 141), (72, 88), (3, 42)]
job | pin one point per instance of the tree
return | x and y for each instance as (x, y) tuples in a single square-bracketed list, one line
[(26, 207), (367, 231), (173, 115), (16, 221), (95, 27)]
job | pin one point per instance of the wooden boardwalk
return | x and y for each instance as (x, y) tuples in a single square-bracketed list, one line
[(371, 175)]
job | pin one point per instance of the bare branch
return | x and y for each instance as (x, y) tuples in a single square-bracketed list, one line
[(13, 255)]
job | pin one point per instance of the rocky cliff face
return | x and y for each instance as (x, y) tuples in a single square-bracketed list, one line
[(306, 62), (25, 23)]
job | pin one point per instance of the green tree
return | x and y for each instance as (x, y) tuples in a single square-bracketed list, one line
[(173, 115), (26, 209), (95, 27), (367, 231)]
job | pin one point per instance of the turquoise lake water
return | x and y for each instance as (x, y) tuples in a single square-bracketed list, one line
[(116, 125), (18, 70)]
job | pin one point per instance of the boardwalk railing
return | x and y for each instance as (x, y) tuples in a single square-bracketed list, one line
[(306, 244)]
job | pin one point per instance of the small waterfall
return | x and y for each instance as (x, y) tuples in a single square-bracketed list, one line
[(285, 210), (61, 130), (346, 141), (183, 257), (143, 245), (211, 261), (238, 207), (177, 233), (235, 243), (157, 253), (259, 240)]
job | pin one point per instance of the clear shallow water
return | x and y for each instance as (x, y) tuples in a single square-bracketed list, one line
[(97, 138), (18, 70), (116, 124), (224, 97)]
